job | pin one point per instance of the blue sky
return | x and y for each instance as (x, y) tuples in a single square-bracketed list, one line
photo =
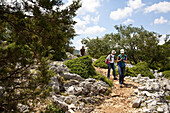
[(98, 17)]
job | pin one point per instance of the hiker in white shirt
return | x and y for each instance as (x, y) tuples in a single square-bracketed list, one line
[(111, 59)]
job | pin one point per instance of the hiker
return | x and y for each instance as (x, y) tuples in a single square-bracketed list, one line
[(121, 60), (82, 51), (111, 61)]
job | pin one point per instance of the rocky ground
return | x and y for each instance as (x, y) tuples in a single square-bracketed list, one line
[(121, 99), (139, 94)]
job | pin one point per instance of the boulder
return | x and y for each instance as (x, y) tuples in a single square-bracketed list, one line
[(69, 76), (160, 109), (54, 83), (23, 108), (60, 104), (136, 103)]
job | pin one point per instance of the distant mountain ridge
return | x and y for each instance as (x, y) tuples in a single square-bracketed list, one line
[(76, 52)]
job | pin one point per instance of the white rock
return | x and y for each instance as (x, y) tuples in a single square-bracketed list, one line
[(146, 111), (142, 88), (136, 103), (168, 87), (160, 109)]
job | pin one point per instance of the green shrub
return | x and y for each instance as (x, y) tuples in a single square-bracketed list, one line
[(101, 62), (83, 67), (130, 72), (143, 69), (167, 97), (52, 108), (103, 78), (167, 74), (165, 67)]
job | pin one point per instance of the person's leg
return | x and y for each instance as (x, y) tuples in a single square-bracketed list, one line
[(123, 73), (114, 72), (108, 73), (120, 75)]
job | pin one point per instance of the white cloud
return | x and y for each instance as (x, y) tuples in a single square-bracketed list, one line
[(89, 6), (121, 13), (81, 25), (95, 20), (126, 11), (128, 21), (160, 20), (162, 40), (161, 7), (94, 30), (135, 4), (87, 19)]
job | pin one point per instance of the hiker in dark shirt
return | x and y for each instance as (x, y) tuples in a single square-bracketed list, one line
[(82, 51)]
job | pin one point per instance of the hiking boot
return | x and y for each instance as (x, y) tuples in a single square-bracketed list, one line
[(115, 78)]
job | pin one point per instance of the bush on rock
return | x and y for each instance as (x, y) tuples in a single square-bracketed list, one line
[(101, 62), (83, 67), (143, 69)]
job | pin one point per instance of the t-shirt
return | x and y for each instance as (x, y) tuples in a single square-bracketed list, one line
[(121, 63), (112, 58), (82, 51)]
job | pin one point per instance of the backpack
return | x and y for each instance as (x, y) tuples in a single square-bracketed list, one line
[(107, 60)]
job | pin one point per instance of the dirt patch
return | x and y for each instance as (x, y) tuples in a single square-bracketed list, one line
[(121, 99)]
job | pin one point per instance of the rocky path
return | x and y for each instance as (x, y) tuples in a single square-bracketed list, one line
[(121, 99)]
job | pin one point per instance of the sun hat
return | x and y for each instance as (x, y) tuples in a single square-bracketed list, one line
[(113, 51), (122, 51)]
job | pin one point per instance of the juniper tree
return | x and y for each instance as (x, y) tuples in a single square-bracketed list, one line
[(29, 31)]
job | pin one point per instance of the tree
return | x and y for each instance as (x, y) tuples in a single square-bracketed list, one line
[(29, 31), (140, 44), (100, 46)]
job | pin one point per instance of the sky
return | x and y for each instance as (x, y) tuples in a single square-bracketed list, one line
[(98, 17)]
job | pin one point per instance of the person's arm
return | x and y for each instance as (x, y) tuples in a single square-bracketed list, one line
[(118, 59), (125, 60), (108, 58)]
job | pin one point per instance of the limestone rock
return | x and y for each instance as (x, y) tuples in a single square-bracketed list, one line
[(69, 76), (136, 103), (160, 109)]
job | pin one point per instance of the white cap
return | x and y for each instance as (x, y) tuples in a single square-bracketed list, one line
[(113, 51), (122, 51)]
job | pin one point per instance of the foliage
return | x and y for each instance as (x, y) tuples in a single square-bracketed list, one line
[(167, 97), (103, 78), (164, 56), (83, 67), (53, 108), (99, 47), (139, 45), (101, 62), (31, 33), (130, 72), (143, 69), (167, 74)]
